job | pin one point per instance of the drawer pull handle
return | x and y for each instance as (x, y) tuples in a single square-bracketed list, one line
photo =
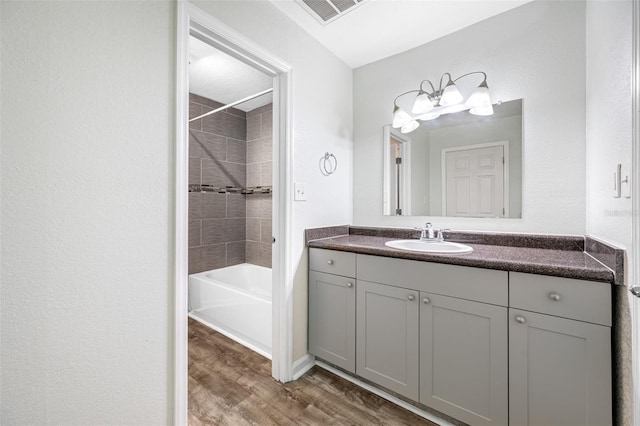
[(554, 296), (411, 298), (329, 262), (349, 285), (426, 300), (520, 319)]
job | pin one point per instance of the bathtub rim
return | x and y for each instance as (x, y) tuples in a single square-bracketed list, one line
[(202, 276)]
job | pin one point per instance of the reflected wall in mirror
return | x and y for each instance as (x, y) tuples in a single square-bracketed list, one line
[(457, 165)]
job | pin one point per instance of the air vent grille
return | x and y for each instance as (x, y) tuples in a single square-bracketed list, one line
[(343, 5), (326, 11)]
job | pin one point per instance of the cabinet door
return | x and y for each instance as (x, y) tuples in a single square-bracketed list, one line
[(387, 337), (332, 319), (464, 359), (559, 371)]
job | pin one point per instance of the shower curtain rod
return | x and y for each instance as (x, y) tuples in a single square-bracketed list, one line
[(227, 106)]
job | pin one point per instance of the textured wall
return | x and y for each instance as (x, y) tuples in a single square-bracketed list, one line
[(609, 129), (86, 182), (535, 52), (608, 119)]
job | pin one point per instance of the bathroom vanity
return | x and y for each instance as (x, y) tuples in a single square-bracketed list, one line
[(505, 335)]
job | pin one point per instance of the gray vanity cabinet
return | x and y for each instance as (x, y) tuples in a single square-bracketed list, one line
[(486, 347), (387, 337), (559, 368), (332, 308), (464, 359)]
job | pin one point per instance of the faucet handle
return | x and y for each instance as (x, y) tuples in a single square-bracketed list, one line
[(440, 231)]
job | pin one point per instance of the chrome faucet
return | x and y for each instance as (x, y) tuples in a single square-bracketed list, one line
[(429, 234)]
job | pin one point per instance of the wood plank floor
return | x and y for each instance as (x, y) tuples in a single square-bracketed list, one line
[(232, 385)]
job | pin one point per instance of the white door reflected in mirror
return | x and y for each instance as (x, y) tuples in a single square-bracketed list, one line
[(475, 182)]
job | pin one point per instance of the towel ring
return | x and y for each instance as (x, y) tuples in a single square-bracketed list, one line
[(328, 164)]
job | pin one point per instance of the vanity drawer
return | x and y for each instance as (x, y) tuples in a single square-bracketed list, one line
[(332, 262), (588, 301), (463, 282)]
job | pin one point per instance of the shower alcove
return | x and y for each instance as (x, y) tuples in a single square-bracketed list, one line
[(230, 220)]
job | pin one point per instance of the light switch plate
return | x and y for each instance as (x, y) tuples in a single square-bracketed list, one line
[(299, 191)]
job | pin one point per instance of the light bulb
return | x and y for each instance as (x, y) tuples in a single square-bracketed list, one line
[(451, 95), (410, 127), (400, 117), (422, 103), (480, 97)]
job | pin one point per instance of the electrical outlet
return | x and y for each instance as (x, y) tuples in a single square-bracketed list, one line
[(299, 191)]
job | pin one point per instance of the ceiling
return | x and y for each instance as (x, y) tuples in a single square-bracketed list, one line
[(222, 78), (376, 29), (373, 30)]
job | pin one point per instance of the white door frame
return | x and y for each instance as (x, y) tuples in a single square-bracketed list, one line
[(405, 184), (505, 184), (194, 21), (635, 203)]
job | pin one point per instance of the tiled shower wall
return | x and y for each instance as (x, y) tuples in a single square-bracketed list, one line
[(259, 173), (222, 226)]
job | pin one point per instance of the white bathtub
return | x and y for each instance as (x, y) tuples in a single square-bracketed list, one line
[(235, 301)]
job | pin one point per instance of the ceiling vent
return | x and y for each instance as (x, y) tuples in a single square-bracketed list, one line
[(326, 11)]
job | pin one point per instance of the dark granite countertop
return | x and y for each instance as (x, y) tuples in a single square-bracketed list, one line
[(567, 263)]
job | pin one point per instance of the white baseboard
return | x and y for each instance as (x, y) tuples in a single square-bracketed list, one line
[(383, 394), (302, 365)]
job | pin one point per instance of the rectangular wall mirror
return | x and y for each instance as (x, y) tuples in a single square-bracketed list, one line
[(459, 165)]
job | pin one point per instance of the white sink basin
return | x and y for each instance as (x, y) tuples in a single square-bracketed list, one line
[(429, 247)]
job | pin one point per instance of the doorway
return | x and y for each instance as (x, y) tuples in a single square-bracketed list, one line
[(397, 172), (195, 24), (230, 197)]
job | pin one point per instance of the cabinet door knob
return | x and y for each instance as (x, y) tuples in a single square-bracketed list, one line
[(411, 297), (554, 296), (520, 319), (426, 300), (330, 262), (349, 285)]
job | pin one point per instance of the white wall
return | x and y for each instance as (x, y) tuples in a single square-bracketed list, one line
[(535, 52), (86, 185), (87, 198), (608, 143), (322, 122), (608, 118)]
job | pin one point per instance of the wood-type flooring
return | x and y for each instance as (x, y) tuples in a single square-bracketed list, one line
[(232, 385)]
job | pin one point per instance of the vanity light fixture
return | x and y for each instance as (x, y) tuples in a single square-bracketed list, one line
[(431, 105)]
